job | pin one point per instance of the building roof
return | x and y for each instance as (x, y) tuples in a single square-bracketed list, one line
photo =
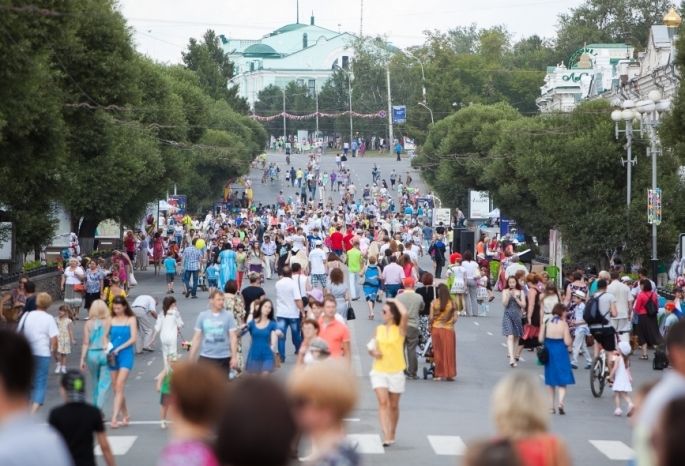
[(260, 50), (289, 27)]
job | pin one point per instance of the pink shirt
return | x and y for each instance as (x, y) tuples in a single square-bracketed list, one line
[(187, 453), (392, 274)]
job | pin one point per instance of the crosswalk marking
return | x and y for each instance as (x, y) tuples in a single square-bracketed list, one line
[(367, 444), (120, 444), (447, 445), (613, 449)]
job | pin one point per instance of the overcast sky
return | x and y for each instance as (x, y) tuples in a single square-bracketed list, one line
[(163, 27)]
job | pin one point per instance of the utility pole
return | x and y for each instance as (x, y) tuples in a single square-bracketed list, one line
[(391, 138), (285, 139), (349, 89), (361, 21), (316, 96)]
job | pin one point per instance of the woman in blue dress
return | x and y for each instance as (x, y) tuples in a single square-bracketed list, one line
[(264, 332), (556, 337), (123, 332), (228, 263)]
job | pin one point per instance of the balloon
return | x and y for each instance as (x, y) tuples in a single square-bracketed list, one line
[(200, 244)]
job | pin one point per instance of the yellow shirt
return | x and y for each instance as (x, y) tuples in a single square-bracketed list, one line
[(390, 343)]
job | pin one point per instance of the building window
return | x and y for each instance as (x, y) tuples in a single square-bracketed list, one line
[(311, 86), (305, 41), (251, 66), (300, 82), (345, 62)]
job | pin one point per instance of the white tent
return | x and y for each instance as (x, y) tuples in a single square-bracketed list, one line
[(494, 213)]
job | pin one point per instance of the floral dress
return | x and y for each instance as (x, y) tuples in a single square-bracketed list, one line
[(234, 303)]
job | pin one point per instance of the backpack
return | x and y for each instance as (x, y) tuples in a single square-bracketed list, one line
[(372, 277), (651, 308), (591, 314), (660, 361)]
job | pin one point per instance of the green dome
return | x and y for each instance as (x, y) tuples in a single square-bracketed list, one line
[(259, 49), (289, 27)]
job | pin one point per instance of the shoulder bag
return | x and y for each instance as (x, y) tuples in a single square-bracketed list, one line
[(542, 352), (350, 312)]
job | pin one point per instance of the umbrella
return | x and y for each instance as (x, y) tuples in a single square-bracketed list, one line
[(494, 213)]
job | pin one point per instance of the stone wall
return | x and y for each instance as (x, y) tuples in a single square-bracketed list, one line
[(49, 282)]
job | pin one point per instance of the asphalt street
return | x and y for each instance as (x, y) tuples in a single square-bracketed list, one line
[(437, 419)]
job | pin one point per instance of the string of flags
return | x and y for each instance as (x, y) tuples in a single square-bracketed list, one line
[(309, 116)]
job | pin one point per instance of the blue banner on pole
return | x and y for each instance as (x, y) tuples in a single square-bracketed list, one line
[(399, 114)]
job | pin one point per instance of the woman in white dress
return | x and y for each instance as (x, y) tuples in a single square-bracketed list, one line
[(168, 326), (623, 380)]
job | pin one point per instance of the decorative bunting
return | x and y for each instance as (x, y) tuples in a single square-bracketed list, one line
[(290, 116)]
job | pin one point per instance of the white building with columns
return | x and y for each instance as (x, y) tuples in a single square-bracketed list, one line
[(304, 53)]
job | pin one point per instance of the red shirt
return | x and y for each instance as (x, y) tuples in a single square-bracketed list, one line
[(335, 334), (337, 240), (347, 241), (641, 301)]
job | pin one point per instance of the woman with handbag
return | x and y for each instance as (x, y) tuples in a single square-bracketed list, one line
[(442, 318), (556, 337), (514, 302), (72, 285)]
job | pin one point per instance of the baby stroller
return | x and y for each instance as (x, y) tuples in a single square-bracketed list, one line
[(427, 353), (202, 278)]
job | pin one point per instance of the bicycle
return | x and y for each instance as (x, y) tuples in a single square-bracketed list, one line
[(599, 374)]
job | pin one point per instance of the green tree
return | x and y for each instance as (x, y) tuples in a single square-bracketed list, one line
[(214, 69)]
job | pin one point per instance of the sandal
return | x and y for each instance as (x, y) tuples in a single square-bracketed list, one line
[(644, 357), (371, 317), (124, 422), (561, 410), (114, 424)]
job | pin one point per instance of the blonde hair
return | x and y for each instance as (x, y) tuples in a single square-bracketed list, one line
[(43, 300), (328, 384), (98, 310), (519, 406)]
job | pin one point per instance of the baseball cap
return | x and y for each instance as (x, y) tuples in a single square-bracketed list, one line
[(320, 345), (626, 278)]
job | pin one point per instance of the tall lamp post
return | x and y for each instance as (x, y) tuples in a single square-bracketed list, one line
[(651, 110), (349, 91), (423, 104), (626, 115)]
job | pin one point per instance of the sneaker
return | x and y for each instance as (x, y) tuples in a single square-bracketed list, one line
[(575, 366), (618, 412), (64, 369), (162, 424), (58, 369), (588, 365)]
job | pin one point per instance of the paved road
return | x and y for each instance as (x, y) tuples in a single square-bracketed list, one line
[(437, 419)]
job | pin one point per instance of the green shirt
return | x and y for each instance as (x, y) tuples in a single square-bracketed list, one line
[(166, 384), (354, 260)]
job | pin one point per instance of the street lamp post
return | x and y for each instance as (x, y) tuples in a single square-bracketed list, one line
[(651, 110), (627, 116), (423, 104)]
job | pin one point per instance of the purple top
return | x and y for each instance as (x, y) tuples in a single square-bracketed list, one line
[(187, 453)]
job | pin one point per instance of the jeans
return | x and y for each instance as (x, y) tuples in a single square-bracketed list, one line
[(40, 380), (187, 274), (438, 268), (471, 297), (100, 380), (352, 278), (410, 344), (391, 290), (579, 345), (294, 324)]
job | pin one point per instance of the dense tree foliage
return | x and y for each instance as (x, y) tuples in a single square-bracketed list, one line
[(87, 122)]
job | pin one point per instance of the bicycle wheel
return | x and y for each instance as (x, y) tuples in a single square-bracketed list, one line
[(597, 377)]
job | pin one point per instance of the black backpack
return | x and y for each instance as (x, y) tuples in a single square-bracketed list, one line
[(651, 308), (591, 314)]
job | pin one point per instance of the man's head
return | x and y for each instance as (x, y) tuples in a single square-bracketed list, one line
[(601, 284), (287, 271), (16, 373), (329, 306), (296, 267)]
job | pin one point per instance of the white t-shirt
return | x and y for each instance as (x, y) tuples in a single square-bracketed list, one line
[(147, 302), (623, 296), (317, 260), (38, 327), (287, 292), (470, 267), (71, 276), (298, 242)]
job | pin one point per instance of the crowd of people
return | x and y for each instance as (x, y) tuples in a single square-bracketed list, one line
[(323, 256)]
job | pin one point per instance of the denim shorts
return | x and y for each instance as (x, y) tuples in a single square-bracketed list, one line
[(40, 380)]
